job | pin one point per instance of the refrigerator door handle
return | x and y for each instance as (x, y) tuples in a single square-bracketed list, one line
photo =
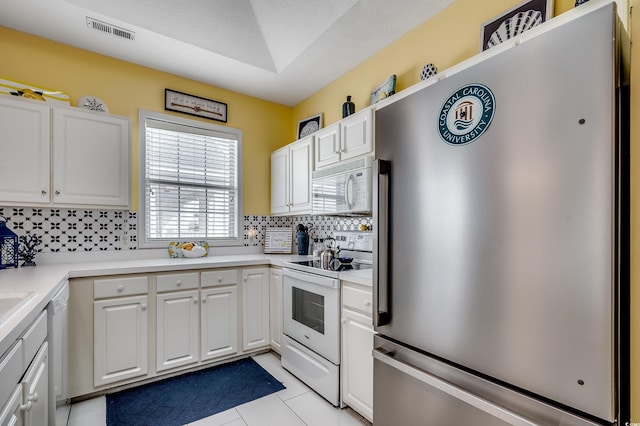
[(381, 314), (454, 391)]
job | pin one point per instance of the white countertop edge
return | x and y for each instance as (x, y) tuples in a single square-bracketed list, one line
[(46, 280)]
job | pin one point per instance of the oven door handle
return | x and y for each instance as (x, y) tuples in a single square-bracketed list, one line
[(316, 279), (381, 178)]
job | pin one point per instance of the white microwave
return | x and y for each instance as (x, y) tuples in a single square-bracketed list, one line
[(343, 189)]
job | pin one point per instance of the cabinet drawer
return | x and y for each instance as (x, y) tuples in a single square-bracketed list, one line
[(222, 277), (115, 287), (10, 371), (171, 282), (359, 300), (33, 338)]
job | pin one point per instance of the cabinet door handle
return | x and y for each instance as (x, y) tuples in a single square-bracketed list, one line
[(26, 407), (57, 192), (204, 300), (143, 307), (219, 279), (44, 192), (120, 288), (195, 300), (33, 397), (178, 283), (367, 303)]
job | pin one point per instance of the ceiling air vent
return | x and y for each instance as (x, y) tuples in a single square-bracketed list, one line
[(110, 29)]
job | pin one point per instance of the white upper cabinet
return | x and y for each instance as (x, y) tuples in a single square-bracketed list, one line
[(91, 158), (348, 138), (327, 146), (280, 181), (24, 151), (355, 134), (63, 156), (291, 168), (301, 164)]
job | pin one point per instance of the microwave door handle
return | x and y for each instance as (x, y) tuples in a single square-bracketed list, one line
[(346, 192), (381, 178)]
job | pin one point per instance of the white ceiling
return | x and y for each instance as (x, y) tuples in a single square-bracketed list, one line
[(278, 50)]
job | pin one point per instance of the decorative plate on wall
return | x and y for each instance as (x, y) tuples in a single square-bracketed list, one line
[(92, 103)]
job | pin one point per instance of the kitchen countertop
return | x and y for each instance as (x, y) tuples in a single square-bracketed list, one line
[(46, 280)]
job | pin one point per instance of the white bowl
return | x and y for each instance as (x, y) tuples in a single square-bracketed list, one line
[(196, 251)]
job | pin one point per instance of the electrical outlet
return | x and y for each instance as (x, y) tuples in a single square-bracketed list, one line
[(124, 242)]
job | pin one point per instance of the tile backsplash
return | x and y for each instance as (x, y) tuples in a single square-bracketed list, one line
[(82, 230)]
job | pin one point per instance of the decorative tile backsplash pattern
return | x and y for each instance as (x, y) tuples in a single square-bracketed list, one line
[(324, 225), (71, 230), (81, 230)]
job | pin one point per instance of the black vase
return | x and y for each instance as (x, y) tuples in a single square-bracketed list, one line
[(348, 108), (303, 242)]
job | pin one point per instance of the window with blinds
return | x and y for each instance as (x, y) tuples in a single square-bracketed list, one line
[(191, 181)]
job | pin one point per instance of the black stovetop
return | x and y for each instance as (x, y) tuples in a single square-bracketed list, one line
[(351, 266)]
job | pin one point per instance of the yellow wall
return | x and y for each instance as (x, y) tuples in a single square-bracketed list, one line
[(635, 219), (448, 38), (126, 87)]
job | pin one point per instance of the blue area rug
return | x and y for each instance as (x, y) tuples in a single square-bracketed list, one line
[(190, 397)]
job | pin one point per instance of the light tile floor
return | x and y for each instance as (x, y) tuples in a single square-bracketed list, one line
[(297, 405)]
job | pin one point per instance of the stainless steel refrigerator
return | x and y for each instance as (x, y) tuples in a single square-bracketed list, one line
[(501, 235)]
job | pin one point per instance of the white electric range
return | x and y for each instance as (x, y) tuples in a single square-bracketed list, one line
[(311, 341)]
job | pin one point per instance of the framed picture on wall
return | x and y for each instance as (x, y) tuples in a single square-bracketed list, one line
[(384, 89), (515, 21), (309, 125)]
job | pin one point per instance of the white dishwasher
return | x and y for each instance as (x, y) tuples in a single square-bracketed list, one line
[(58, 342)]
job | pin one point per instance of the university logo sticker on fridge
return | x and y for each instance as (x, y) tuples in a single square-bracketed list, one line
[(466, 115)]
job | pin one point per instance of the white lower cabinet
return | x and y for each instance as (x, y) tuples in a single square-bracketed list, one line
[(177, 317), (120, 342), (275, 308), (24, 379), (177, 335), (218, 322), (357, 348), (13, 412), (148, 325), (255, 308), (35, 389)]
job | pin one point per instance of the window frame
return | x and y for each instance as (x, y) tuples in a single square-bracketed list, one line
[(233, 133)]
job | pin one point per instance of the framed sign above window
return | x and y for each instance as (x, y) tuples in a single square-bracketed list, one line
[(515, 21), (194, 105)]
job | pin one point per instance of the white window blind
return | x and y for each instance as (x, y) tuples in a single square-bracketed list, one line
[(191, 183)]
